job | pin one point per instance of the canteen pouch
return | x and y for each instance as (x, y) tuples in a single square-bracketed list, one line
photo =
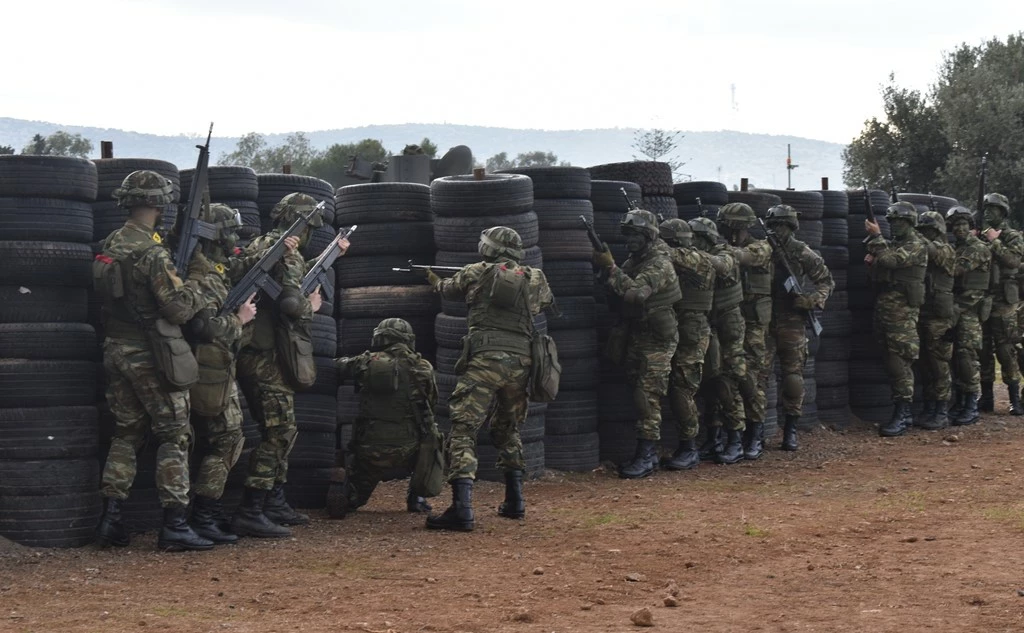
[(212, 392), (428, 478), (545, 370), (1011, 292), (295, 353), (508, 287), (381, 376), (172, 354)]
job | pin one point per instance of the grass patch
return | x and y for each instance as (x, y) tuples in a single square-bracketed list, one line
[(913, 501), (752, 530), (606, 518), (1006, 514)]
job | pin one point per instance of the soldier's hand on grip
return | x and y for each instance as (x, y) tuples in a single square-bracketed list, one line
[(803, 302), (291, 243), (316, 300), (872, 227), (247, 311), (603, 259)]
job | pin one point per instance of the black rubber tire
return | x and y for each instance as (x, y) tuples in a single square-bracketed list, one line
[(608, 225), (32, 263), (839, 276), (691, 211), (30, 176), (495, 194), (375, 270), (412, 239), (487, 456), (760, 201), (836, 204), (20, 304), (835, 232), (838, 300), (566, 244), (325, 335), (836, 257), (574, 453), (315, 413), (19, 478), (65, 520), (831, 373), (446, 358), (579, 373), (834, 397), (273, 187), (654, 178), (463, 233), (49, 433), (306, 488), (326, 374), (838, 418), (833, 348), (383, 202), (942, 203), (226, 182), (45, 219), (555, 182), (47, 383), (313, 449), (355, 334), (562, 213), (664, 207), (578, 312), (572, 412), (810, 233), (576, 343), (810, 204), (709, 192), (531, 257), (318, 240), (449, 330), (111, 173), (867, 372), (48, 341), (386, 301), (606, 195), (570, 278)]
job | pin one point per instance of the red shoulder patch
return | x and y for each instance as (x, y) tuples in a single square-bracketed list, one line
[(104, 259)]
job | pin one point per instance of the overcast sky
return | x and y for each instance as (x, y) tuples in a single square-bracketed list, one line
[(801, 67)]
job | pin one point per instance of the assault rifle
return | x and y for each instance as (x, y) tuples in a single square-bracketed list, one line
[(700, 209), (414, 267), (317, 275), (792, 284), (893, 196), (188, 227), (631, 204), (931, 203), (868, 211), (259, 276), (982, 185), (595, 239)]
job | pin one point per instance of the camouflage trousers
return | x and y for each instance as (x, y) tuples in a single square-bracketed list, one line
[(895, 325), (491, 377), (1000, 341), (371, 465), (730, 330), (144, 404), (220, 444), (272, 404), (687, 365), (754, 386), (648, 365), (936, 354), (788, 339), (966, 349)]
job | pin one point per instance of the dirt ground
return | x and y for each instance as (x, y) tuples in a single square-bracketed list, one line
[(853, 533)]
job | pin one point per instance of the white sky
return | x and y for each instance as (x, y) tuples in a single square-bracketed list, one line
[(801, 67)]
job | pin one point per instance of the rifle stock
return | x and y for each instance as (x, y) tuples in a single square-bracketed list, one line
[(792, 284)]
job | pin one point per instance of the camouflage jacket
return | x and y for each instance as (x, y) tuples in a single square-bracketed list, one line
[(288, 272), (226, 329), (971, 271), (651, 274), (756, 267), (807, 266), (422, 388), (696, 271), (1007, 251)]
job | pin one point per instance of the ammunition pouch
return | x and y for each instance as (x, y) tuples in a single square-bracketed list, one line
[(428, 476), (974, 280), (984, 309), (381, 376), (262, 331), (172, 354), (615, 346), (211, 393), (294, 345), (728, 296), (757, 311), (1011, 291), (545, 370), (508, 288)]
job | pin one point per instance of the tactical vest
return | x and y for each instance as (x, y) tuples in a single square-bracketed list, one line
[(728, 293), (756, 280), (939, 295), (664, 297), (500, 318), (697, 287), (127, 309), (387, 412), (972, 280), (908, 281), (1003, 279)]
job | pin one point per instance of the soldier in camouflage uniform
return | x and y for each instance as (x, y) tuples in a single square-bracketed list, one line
[(216, 410), (148, 363), (648, 286), (696, 271), (503, 297), (938, 315), (397, 396), (970, 286), (899, 268), (1001, 335), (787, 335), (264, 511), (756, 268)]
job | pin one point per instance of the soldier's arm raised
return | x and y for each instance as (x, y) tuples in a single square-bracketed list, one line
[(178, 301)]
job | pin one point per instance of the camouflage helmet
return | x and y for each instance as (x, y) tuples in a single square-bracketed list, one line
[(640, 220), (500, 241), (705, 227), (997, 200), (222, 216), (959, 213), (391, 331), (144, 188), (737, 215), (932, 220), (902, 211), (676, 231), (292, 206), (785, 214)]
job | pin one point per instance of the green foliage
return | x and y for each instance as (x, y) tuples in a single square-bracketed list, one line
[(331, 164), (660, 145), (252, 151), (536, 158), (60, 143), (6, 149), (429, 147)]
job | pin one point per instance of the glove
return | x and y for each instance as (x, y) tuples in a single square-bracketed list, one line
[(603, 259), (199, 267), (429, 275), (803, 302)]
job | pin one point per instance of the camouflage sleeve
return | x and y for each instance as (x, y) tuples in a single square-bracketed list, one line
[(455, 287), (757, 253), (178, 301), (945, 257), (423, 376), (1008, 252), (819, 274), (649, 280), (350, 366), (540, 291), (971, 258), (726, 266), (903, 256)]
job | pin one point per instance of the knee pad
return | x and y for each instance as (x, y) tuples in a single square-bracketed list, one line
[(793, 386)]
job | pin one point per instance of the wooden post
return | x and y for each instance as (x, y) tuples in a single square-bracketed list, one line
[(479, 173), (743, 184), (286, 168), (106, 149), (824, 183)]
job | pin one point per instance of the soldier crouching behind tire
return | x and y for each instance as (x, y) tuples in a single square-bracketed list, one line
[(503, 297), (397, 395)]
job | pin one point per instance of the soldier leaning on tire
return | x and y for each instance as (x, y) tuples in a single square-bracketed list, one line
[(264, 512), (938, 317), (899, 268), (647, 339), (756, 269), (787, 335), (1001, 335), (503, 298), (148, 362), (397, 396), (970, 286)]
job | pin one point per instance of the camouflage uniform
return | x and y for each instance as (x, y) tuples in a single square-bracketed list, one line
[(1001, 336), (970, 285), (937, 313), (730, 330)]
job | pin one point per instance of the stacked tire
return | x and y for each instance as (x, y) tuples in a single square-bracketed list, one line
[(712, 196), (49, 449), (654, 179), (111, 172), (234, 186), (609, 207), (561, 195), (923, 202), (273, 187), (463, 206), (832, 359)]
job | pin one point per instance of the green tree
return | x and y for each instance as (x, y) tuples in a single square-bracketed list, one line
[(331, 164), (660, 145), (252, 151), (60, 143), (247, 150), (6, 149), (429, 147), (499, 162), (536, 158)]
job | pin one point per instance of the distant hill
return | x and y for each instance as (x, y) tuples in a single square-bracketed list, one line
[(724, 156)]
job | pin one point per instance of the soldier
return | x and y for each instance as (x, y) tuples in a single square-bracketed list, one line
[(397, 395), (264, 512), (970, 285), (148, 362), (787, 335), (899, 268), (648, 337), (729, 332), (756, 268), (503, 297), (696, 272), (1001, 336), (938, 315), (216, 409)]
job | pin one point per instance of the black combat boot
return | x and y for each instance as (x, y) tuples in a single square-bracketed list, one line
[(927, 413), (754, 446), (111, 530), (986, 404), (513, 507), (644, 462), (249, 519), (177, 536), (712, 445), (1013, 389), (939, 418), (733, 450), (276, 509), (898, 423), (416, 503), (205, 521), (969, 413), (459, 515), (685, 457), (789, 442), (958, 403)]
